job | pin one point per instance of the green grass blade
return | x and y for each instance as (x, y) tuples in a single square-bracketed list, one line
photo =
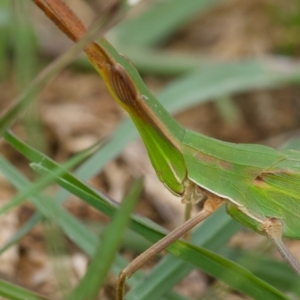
[(96, 274), (276, 273), (121, 137), (77, 232), (74, 229), (168, 15), (22, 101), (24, 42), (48, 179), (157, 62), (225, 79), (5, 21), (34, 155), (14, 292), (192, 98), (232, 274), (25, 45)]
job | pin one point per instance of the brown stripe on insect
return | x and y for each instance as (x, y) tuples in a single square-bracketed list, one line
[(123, 85), (212, 160), (259, 181), (261, 178)]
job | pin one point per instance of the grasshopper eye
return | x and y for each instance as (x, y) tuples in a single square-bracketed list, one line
[(123, 85)]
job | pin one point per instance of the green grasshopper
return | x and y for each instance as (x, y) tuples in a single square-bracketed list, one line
[(260, 186)]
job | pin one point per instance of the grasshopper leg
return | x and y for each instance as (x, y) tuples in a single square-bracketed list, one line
[(210, 205), (273, 229), (192, 195)]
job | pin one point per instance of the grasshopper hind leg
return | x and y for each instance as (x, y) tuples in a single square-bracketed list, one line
[(272, 227), (211, 204)]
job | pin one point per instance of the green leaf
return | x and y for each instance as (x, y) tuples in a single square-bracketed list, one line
[(276, 273), (229, 78), (23, 100), (77, 232), (159, 62), (14, 292), (5, 21), (232, 274), (48, 179), (90, 285), (168, 15)]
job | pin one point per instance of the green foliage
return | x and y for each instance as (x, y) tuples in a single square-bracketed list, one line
[(196, 82), (14, 292), (217, 266)]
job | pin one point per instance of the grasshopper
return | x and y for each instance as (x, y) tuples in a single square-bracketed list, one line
[(259, 185)]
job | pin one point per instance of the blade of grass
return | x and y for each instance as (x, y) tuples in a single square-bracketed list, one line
[(276, 273), (218, 267), (75, 230), (5, 21), (226, 79), (163, 63), (22, 101), (232, 274), (25, 45), (116, 138), (48, 179), (24, 42), (14, 292), (120, 138), (90, 285), (168, 15), (44, 160)]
